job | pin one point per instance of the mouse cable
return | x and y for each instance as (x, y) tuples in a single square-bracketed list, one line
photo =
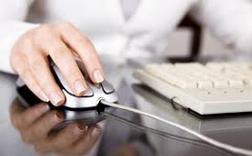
[(198, 135)]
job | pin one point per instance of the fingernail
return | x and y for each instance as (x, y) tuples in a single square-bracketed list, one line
[(79, 87), (82, 127), (96, 132), (56, 99), (98, 76), (44, 97)]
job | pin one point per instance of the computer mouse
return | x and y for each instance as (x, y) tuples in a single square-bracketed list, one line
[(92, 97), (86, 107)]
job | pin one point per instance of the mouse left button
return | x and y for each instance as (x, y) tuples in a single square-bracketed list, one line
[(20, 82)]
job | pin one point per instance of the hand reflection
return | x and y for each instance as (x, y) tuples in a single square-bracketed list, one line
[(35, 125), (125, 150)]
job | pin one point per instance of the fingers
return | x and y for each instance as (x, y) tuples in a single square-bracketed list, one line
[(35, 127), (83, 145), (30, 81), (40, 129), (85, 49), (32, 84), (23, 118), (75, 139), (29, 59), (61, 54), (41, 71), (62, 140)]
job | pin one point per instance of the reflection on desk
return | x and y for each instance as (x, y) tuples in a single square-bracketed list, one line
[(124, 133), (232, 129)]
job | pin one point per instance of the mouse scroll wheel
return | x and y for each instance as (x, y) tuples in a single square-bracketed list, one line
[(107, 87)]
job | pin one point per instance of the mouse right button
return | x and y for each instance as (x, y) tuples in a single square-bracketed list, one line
[(107, 87)]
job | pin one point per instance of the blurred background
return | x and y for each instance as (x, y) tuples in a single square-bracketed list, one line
[(191, 42)]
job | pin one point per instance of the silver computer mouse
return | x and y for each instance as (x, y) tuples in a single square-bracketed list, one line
[(92, 97), (86, 107)]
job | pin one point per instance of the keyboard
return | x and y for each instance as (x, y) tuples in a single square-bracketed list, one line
[(212, 88)]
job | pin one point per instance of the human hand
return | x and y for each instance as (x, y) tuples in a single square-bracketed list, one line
[(35, 124), (62, 42)]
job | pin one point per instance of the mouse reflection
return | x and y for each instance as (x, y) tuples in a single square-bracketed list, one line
[(37, 125)]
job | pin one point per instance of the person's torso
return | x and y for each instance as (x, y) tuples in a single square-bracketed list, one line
[(110, 24)]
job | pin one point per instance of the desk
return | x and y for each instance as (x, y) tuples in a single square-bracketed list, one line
[(147, 136)]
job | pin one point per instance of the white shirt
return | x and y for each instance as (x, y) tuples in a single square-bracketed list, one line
[(140, 34), (131, 35)]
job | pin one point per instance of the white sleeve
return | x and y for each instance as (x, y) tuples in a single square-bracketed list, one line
[(12, 26), (229, 20)]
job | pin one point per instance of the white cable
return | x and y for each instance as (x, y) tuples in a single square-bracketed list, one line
[(200, 136)]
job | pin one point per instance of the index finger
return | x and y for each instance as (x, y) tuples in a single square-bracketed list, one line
[(22, 117), (85, 50)]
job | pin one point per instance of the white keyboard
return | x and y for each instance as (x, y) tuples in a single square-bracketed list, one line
[(213, 88)]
